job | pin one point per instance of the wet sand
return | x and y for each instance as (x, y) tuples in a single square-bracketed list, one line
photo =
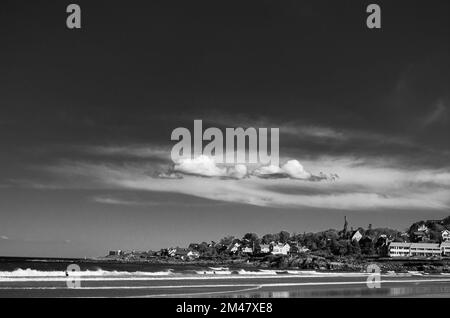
[(230, 286)]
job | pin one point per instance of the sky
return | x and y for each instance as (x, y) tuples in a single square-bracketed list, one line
[(86, 117)]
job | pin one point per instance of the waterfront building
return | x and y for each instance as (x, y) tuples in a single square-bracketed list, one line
[(356, 236), (281, 249), (445, 235), (425, 249), (264, 248), (397, 249), (445, 248)]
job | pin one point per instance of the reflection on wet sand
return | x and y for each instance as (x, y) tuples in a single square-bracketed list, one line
[(409, 291)]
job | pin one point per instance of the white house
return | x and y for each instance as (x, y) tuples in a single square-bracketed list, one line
[(171, 251), (193, 254), (414, 249), (303, 249), (281, 249), (356, 236), (445, 235), (445, 248), (423, 228), (116, 253), (425, 249), (247, 249), (235, 248), (265, 248), (397, 249)]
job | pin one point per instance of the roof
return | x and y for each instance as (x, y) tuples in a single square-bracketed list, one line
[(446, 244), (400, 244), (182, 251), (279, 244), (264, 245), (425, 245)]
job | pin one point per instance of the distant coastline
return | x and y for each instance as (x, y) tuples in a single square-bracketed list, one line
[(347, 250)]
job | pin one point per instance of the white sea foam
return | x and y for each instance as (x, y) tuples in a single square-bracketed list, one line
[(31, 273), (28, 274), (219, 268)]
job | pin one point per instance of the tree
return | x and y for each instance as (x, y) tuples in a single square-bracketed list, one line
[(342, 247), (284, 236), (203, 248), (367, 246), (227, 240), (354, 248), (252, 237), (268, 238), (193, 246)]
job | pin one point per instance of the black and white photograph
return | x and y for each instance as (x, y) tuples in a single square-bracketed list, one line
[(231, 151)]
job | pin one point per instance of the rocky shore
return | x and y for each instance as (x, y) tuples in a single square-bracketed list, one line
[(306, 262)]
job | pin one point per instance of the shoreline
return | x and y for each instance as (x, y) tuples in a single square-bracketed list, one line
[(310, 262)]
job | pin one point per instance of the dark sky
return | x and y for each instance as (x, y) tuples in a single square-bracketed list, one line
[(86, 117)]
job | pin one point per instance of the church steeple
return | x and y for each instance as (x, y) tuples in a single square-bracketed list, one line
[(345, 225)]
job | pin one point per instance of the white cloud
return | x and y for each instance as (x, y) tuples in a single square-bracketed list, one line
[(295, 170), (267, 171), (238, 172), (201, 165), (4, 237), (206, 167), (291, 169), (362, 186)]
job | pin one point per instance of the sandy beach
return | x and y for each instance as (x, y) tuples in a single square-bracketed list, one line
[(246, 286)]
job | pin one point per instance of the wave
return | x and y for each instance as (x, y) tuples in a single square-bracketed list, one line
[(208, 273), (18, 273), (219, 268)]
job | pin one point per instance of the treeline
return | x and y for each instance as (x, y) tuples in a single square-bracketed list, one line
[(362, 241), (329, 242)]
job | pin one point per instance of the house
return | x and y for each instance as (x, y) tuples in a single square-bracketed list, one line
[(414, 249), (404, 236), (423, 228), (171, 251), (280, 249), (425, 249), (445, 235), (115, 253), (247, 249), (264, 248), (445, 248), (397, 249), (234, 248), (303, 249), (193, 255), (297, 248), (181, 253), (356, 236)]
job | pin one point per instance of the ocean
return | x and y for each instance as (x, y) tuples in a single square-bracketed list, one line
[(39, 277)]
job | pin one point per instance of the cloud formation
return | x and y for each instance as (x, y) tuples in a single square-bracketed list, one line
[(205, 166), (361, 186), (201, 165)]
